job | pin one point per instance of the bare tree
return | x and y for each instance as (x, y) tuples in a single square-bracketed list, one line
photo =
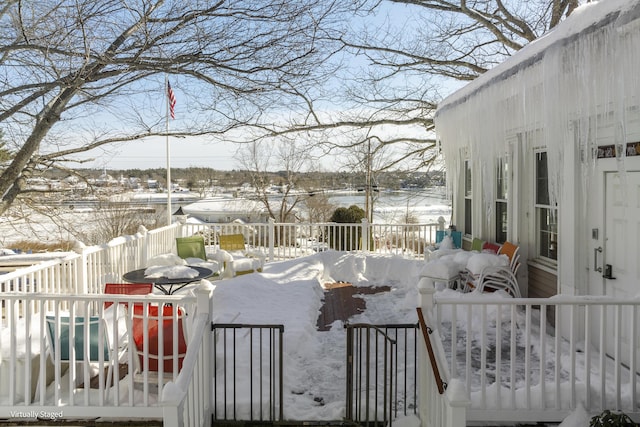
[(76, 76), (200, 180), (113, 219), (457, 39), (319, 208), (275, 171), (405, 54), (5, 153)]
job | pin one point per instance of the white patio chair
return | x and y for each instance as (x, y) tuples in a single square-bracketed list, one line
[(494, 278)]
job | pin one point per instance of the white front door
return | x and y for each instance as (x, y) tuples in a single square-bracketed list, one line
[(620, 257), (622, 235)]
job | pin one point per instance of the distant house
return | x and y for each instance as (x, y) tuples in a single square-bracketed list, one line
[(105, 180), (227, 209), (544, 151)]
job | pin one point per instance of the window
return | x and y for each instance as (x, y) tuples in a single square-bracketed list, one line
[(501, 199), (467, 197), (546, 215)]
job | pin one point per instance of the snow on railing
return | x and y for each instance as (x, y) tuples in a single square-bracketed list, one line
[(108, 262), (538, 359), (74, 284), (80, 356), (53, 276)]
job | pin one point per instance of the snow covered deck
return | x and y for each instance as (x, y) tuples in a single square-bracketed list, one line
[(546, 351)]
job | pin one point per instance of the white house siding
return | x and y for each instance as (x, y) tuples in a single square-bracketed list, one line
[(568, 93)]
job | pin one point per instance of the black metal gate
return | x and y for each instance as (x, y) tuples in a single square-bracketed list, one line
[(381, 373), (247, 362)]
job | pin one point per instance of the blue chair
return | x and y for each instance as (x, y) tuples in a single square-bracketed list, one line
[(63, 342), (455, 235)]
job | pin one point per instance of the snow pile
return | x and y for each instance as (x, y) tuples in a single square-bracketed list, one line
[(170, 272), (167, 259), (478, 262)]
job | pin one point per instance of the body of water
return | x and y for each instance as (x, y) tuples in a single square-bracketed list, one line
[(425, 206), (79, 216)]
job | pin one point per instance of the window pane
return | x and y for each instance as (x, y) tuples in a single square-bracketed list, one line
[(548, 234), (501, 222), (467, 216), (542, 179), (467, 178), (501, 179), (501, 200)]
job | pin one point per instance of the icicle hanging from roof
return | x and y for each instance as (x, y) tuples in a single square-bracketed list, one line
[(555, 94)]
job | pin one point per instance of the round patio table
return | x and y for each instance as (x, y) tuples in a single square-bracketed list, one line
[(167, 285)]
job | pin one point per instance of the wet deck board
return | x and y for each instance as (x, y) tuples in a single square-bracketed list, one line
[(341, 302)]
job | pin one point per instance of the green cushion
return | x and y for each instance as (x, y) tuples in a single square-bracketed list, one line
[(477, 244), (191, 247)]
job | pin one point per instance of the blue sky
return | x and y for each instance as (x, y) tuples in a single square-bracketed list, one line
[(200, 151), (152, 153)]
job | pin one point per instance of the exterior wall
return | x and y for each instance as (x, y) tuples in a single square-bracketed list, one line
[(542, 283), (544, 99)]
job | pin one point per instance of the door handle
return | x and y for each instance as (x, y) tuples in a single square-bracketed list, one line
[(595, 259)]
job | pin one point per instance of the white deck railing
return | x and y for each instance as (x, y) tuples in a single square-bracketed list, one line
[(45, 371), (490, 335), (536, 360), (443, 398), (287, 241), (57, 276), (188, 401), (71, 286), (87, 271)]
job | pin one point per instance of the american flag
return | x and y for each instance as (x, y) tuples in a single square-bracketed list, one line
[(172, 100)]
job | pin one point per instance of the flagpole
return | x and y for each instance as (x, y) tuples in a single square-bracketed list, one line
[(166, 88)]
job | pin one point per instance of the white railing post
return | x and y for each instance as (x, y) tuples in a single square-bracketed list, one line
[(450, 409), (458, 403), (143, 245), (426, 291), (203, 304), (441, 223), (425, 386), (81, 269), (365, 235), (272, 236), (182, 226), (172, 410)]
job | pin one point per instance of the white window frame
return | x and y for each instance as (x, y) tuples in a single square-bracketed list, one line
[(501, 198), (547, 247), (468, 198)]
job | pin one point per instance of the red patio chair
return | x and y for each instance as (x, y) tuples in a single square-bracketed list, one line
[(159, 329), (126, 289), (491, 247)]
